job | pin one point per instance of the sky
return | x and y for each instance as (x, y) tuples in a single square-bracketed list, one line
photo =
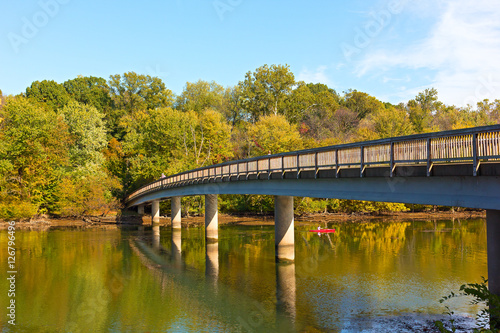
[(391, 49)]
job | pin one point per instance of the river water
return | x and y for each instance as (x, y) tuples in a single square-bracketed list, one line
[(365, 277)]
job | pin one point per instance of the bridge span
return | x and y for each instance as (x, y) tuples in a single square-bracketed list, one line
[(453, 168)]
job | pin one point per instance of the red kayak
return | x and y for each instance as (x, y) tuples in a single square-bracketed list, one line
[(323, 230)]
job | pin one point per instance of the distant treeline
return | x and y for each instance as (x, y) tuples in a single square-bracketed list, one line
[(78, 147)]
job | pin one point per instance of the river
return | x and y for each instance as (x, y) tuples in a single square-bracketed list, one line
[(371, 277)]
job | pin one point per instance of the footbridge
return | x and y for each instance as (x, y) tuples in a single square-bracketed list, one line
[(453, 168)]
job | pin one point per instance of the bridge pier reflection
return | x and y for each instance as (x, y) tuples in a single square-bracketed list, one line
[(175, 205), (177, 246), (156, 238), (211, 217), (286, 290), (283, 228), (212, 261)]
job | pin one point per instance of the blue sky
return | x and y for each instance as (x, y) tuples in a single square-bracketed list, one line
[(391, 49)]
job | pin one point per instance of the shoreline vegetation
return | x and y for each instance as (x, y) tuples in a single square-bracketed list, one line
[(244, 219), (77, 148)]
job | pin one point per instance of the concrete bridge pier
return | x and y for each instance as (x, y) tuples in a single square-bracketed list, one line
[(283, 228), (175, 204), (155, 211), (140, 209), (493, 246), (211, 217)]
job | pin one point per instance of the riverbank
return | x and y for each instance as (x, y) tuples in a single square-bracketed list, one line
[(113, 220)]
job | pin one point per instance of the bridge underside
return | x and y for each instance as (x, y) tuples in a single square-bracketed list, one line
[(481, 192)]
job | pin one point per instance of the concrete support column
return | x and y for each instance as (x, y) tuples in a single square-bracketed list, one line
[(493, 246), (155, 211), (283, 228), (140, 209), (211, 217), (175, 204)]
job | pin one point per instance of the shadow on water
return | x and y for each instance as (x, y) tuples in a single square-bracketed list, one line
[(238, 310)]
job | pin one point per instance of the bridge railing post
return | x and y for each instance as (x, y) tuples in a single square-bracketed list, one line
[(298, 165), (257, 166), (269, 168), (391, 163), (361, 161), (429, 161), (337, 163), (282, 166), (475, 160), (316, 165)]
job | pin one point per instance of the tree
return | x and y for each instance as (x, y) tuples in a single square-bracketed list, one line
[(310, 99), (491, 110), (421, 109), (88, 195), (274, 134), (88, 130), (53, 94), (90, 90), (265, 91), (361, 103), (34, 154), (169, 141), (200, 96), (211, 142), (133, 92), (385, 123)]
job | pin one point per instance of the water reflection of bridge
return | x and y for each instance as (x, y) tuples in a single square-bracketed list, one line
[(237, 308), (455, 168)]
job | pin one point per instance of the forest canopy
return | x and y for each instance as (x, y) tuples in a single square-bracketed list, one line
[(77, 147)]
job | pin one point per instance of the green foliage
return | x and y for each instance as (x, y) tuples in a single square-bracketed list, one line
[(480, 294), (362, 103), (420, 109), (16, 209), (50, 93), (34, 152), (264, 92), (352, 206), (200, 96), (385, 123), (246, 203), (274, 134), (90, 90), (87, 128), (310, 205), (170, 141), (134, 92), (92, 194), (94, 91)]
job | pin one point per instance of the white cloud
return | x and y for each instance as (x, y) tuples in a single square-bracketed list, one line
[(462, 49), (317, 76)]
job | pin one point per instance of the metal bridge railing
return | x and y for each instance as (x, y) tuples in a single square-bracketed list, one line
[(472, 145)]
